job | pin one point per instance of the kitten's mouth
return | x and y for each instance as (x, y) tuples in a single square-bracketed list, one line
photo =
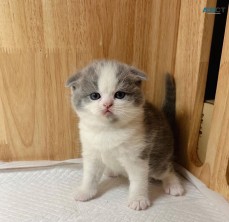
[(107, 112), (108, 115)]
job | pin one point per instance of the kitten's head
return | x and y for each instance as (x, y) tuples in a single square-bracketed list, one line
[(107, 90)]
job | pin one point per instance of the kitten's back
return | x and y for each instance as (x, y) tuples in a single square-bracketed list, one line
[(159, 127)]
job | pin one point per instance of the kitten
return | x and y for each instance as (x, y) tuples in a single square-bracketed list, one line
[(120, 133)]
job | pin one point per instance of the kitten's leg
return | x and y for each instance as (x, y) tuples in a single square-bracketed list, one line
[(93, 170), (110, 173), (172, 184), (138, 176)]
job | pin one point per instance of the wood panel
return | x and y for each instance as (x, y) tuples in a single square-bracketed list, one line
[(191, 65), (217, 156), (194, 38), (37, 118), (42, 42)]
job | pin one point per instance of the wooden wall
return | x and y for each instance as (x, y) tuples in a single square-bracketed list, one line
[(214, 172), (191, 67), (217, 156), (43, 42)]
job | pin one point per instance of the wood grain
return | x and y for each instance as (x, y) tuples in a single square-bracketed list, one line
[(217, 156), (195, 30), (43, 42), (192, 57), (36, 112)]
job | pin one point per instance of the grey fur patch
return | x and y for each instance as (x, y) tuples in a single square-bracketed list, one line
[(159, 135), (170, 100), (138, 73), (129, 81), (72, 81), (159, 141), (85, 82)]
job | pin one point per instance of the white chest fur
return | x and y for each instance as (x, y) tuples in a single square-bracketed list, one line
[(111, 143), (108, 138)]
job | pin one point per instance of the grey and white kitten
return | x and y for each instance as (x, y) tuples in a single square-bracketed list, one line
[(121, 133)]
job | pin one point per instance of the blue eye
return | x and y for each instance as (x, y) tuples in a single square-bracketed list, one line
[(94, 96), (119, 95)]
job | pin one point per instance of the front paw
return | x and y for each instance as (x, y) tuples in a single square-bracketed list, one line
[(84, 195), (139, 203)]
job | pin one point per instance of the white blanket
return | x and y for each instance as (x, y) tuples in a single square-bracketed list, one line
[(44, 191)]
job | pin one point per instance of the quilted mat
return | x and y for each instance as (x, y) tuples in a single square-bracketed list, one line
[(44, 191)]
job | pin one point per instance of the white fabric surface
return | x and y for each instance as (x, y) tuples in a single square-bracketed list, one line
[(44, 191)]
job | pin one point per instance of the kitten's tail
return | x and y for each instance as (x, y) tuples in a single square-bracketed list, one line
[(169, 105)]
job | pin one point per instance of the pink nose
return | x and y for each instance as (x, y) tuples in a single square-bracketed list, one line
[(107, 105)]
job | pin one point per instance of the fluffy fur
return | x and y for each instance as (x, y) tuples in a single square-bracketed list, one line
[(121, 134)]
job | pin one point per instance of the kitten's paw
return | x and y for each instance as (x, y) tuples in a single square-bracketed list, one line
[(175, 189), (84, 195), (140, 203)]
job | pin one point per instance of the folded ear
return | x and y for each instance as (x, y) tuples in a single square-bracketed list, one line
[(140, 75), (73, 81)]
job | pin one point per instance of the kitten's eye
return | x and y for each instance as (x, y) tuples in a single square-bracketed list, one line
[(119, 95), (94, 96)]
